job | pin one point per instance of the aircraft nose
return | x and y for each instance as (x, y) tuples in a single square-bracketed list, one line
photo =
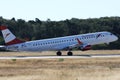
[(116, 38)]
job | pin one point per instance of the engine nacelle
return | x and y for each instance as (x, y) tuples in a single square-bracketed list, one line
[(85, 47)]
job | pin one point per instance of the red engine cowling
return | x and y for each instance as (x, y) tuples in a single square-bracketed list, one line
[(86, 47)]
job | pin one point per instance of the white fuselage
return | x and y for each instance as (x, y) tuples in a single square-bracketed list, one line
[(63, 42)]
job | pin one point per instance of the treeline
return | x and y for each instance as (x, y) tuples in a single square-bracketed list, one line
[(37, 29)]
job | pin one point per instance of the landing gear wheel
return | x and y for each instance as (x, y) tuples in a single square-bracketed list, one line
[(59, 53), (69, 53)]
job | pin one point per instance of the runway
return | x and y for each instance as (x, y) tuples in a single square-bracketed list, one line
[(55, 57)]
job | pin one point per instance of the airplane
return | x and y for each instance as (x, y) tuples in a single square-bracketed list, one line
[(82, 42)]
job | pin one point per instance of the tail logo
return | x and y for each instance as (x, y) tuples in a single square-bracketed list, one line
[(7, 35)]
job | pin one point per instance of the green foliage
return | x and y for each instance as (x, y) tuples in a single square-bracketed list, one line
[(34, 30), (14, 60), (61, 60)]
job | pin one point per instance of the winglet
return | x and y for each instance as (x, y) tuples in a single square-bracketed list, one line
[(79, 42), (98, 36)]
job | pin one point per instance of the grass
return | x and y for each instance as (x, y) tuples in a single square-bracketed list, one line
[(61, 59), (14, 60), (60, 69)]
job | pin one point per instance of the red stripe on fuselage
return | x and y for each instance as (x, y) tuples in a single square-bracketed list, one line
[(15, 41)]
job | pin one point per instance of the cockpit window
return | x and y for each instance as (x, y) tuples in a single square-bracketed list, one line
[(111, 34)]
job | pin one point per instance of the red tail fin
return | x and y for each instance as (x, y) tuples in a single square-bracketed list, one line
[(9, 37)]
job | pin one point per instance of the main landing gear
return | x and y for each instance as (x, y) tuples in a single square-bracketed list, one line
[(59, 53), (69, 53)]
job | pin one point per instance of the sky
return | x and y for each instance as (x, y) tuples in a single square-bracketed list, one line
[(57, 10)]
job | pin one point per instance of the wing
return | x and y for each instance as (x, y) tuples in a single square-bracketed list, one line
[(80, 45)]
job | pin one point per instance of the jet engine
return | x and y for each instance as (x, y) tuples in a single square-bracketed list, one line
[(85, 47)]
